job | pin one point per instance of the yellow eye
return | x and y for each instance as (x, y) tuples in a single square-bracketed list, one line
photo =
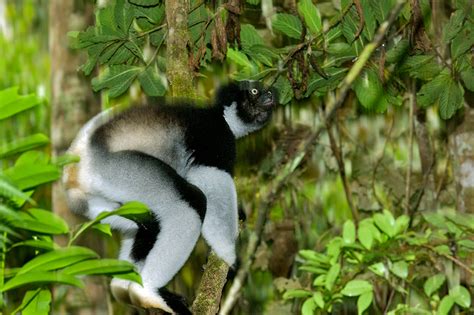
[(254, 91)]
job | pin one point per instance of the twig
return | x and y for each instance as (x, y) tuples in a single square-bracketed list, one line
[(410, 148), (336, 150), (304, 149)]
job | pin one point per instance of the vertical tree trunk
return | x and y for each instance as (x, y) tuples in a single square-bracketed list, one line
[(178, 71), (72, 104)]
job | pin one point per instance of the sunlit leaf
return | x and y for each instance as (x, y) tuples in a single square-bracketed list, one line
[(36, 303), (433, 283), (364, 301), (311, 16), (288, 24), (356, 288), (461, 296), (39, 278)]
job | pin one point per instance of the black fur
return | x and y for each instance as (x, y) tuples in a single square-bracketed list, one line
[(176, 302), (148, 230)]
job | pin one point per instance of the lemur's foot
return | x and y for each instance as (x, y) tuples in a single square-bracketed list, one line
[(147, 298), (119, 288)]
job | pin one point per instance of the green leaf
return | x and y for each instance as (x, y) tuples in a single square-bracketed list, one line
[(100, 267), (288, 24), (38, 244), (461, 296), (314, 257), (39, 278), (10, 191), (308, 307), (356, 288), (451, 99), (462, 43), (11, 103), (28, 176), (310, 15), (318, 299), (364, 301), (239, 58), (385, 222), (104, 228), (398, 52), (364, 233), (369, 18), (249, 36), (332, 275), (452, 28), (400, 269), (349, 232), (57, 259), (154, 14), (370, 92), (23, 144), (401, 224), (131, 276), (430, 92), (445, 306), (379, 269), (53, 220), (36, 302), (296, 293), (285, 92), (117, 79), (422, 67), (467, 77), (433, 283), (151, 82)]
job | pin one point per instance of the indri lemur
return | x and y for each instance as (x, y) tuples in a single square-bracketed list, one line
[(178, 160)]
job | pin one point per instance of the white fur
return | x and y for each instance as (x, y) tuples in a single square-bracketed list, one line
[(220, 227), (239, 128)]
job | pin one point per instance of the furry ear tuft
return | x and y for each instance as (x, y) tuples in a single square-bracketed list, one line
[(228, 94)]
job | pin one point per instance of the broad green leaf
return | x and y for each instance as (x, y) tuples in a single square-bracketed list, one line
[(369, 19), (151, 82), (398, 52), (104, 228), (318, 299), (370, 92), (356, 288), (154, 14), (38, 244), (23, 144), (57, 259), (10, 191), (400, 269), (262, 54), (28, 176), (364, 301), (422, 67), (468, 79), (100, 267), (50, 218), (116, 78), (36, 303), (430, 91), (379, 269), (239, 58), (401, 224), (451, 99), (461, 296), (332, 275), (381, 9), (249, 36), (433, 283), (288, 24), (452, 28), (296, 293), (365, 236), (445, 306), (40, 278), (462, 43), (311, 16), (349, 232), (385, 222), (314, 257), (131, 276), (285, 92), (308, 307), (11, 103)]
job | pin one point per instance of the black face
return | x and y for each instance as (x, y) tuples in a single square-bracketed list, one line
[(257, 104)]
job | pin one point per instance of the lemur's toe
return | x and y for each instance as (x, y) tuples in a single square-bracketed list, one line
[(146, 298), (175, 301), (119, 288)]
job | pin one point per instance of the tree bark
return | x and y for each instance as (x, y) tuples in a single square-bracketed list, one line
[(72, 104)]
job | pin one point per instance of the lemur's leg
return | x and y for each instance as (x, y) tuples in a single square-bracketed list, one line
[(163, 243), (220, 227)]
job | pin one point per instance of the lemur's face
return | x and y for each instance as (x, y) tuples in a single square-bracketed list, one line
[(257, 103)]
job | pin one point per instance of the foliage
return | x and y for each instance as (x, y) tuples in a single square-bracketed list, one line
[(385, 254), (24, 225)]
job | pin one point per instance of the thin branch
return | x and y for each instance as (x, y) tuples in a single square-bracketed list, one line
[(304, 149), (410, 147)]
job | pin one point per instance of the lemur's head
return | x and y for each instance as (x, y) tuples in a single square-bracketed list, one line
[(248, 106)]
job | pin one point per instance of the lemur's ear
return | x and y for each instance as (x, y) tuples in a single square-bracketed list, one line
[(228, 94)]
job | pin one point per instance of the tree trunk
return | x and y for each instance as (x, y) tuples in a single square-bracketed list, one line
[(72, 104)]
